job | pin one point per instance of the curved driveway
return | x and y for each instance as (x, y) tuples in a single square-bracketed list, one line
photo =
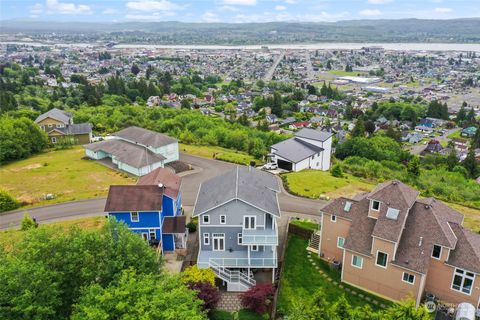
[(204, 170)]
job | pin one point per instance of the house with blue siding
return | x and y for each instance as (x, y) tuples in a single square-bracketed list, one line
[(152, 208)]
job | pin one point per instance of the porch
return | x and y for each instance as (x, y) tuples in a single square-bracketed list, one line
[(239, 258)]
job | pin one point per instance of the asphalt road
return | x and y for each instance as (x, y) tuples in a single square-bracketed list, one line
[(204, 170)]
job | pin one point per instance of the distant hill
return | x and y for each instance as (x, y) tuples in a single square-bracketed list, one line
[(403, 30)]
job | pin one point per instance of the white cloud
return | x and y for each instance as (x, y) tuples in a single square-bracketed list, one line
[(153, 5), (228, 8), (209, 16), (379, 1), (291, 1), (57, 7), (370, 12), (280, 8), (110, 11), (240, 2), (285, 16), (155, 16), (443, 10)]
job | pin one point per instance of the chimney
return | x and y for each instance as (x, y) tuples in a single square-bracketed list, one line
[(420, 242)]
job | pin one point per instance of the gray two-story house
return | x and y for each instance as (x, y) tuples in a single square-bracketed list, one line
[(238, 233)]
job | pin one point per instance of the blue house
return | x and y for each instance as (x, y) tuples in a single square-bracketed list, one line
[(152, 208)]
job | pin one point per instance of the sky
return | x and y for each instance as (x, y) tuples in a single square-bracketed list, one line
[(235, 11)]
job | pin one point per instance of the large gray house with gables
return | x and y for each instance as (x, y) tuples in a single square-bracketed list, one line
[(238, 233)]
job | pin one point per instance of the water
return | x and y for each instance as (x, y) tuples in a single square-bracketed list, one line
[(314, 46)]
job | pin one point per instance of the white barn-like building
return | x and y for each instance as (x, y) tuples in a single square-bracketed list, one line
[(309, 149)]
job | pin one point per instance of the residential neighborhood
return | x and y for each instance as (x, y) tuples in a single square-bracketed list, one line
[(142, 177)]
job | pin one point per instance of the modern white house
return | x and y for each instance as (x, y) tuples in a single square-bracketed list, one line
[(238, 234), (308, 149), (135, 150)]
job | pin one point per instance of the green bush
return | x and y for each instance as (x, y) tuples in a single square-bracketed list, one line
[(336, 171), (192, 227), (28, 223), (7, 202)]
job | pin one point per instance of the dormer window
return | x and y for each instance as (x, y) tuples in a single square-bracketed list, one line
[(348, 206), (436, 252), (375, 205)]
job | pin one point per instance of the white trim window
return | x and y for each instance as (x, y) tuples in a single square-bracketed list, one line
[(60, 125), (254, 247), (375, 205), (145, 236), (206, 239), (436, 252), (239, 238), (340, 242), (54, 140), (134, 216), (249, 222), (218, 241), (357, 262), (223, 219), (152, 234), (408, 278), (382, 259), (333, 218), (463, 281), (50, 125), (206, 219)]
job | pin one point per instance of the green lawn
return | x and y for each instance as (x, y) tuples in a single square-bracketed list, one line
[(344, 73), (305, 224), (300, 280), (242, 315), (313, 183), (456, 135), (63, 173), (9, 237), (220, 153)]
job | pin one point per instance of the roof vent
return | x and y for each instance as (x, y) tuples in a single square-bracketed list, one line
[(420, 241), (160, 185), (395, 182), (427, 206)]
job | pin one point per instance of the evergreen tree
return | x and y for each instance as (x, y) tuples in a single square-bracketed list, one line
[(359, 129), (135, 69), (470, 163), (277, 104)]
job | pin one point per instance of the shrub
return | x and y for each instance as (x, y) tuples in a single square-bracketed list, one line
[(7, 202), (337, 171), (208, 293), (28, 223), (257, 298), (195, 275), (192, 227)]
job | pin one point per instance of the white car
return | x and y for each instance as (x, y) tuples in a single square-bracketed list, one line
[(270, 166)]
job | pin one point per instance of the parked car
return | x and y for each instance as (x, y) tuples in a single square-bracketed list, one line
[(270, 166)]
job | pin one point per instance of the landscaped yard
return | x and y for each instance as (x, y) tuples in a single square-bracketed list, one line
[(313, 183), (456, 135), (300, 279), (344, 73), (219, 152), (63, 173)]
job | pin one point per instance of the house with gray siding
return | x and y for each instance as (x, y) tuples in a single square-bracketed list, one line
[(238, 235), (135, 150)]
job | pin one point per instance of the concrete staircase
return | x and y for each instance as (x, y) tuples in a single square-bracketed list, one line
[(236, 280)]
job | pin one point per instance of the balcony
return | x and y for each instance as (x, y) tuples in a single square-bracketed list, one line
[(264, 237), (239, 258)]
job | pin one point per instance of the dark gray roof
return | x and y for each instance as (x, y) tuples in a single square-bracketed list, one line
[(314, 134), (134, 198), (56, 114), (145, 137), (247, 184), (295, 150), (81, 128), (126, 152)]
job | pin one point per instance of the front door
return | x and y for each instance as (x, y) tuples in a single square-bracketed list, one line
[(218, 241)]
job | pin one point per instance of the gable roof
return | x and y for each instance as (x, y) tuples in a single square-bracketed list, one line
[(80, 128), (134, 198), (467, 252), (295, 150), (126, 152), (56, 114), (314, 134), (250, 185), (163, 176), (145, 137)]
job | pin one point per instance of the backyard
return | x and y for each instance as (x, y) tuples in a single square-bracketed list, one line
[(62, 173), (305, 272)]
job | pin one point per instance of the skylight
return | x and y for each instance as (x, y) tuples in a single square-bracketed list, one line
[(392, 214), (347, 207)]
